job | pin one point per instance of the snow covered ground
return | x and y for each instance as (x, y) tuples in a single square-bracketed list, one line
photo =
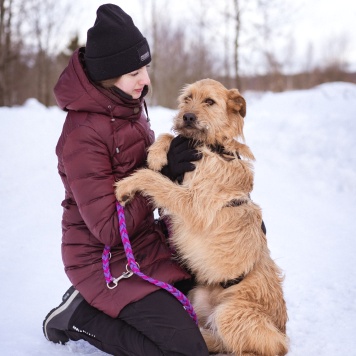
[(305, 145)]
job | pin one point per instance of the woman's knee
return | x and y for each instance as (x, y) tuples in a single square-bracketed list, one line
[(188, 342)]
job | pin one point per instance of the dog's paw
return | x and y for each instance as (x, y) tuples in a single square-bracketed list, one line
[(157, 153), (125, 199), (157, 162), (123, 192)]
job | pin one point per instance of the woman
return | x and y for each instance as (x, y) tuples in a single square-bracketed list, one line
[(105, 138)]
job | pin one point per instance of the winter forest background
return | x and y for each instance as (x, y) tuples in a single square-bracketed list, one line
[(248, 44)]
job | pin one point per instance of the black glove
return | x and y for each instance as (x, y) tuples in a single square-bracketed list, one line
[(180, 155)]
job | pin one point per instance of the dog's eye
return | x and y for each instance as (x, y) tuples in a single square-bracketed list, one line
[(209, 101)]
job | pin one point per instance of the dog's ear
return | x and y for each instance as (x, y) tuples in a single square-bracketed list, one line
[(236, 103)]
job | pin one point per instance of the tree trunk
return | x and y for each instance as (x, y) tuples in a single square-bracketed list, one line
[(237, 19)]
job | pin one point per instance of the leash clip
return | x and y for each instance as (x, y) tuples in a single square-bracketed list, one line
[(113, 284), (115, 281)]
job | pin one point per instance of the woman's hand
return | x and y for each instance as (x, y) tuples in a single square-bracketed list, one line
[(180, 155)]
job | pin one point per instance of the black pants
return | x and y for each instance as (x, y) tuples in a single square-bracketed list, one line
[(156, 325)]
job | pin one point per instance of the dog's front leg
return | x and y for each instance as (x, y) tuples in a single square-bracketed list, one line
[(163, 192)]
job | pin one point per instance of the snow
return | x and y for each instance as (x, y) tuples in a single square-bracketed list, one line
[(305, 182)]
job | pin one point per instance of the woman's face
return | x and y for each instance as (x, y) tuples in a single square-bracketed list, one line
[(134, 82)]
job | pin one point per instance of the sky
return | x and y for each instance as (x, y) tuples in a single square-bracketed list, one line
[(326, 24), (305, 182)]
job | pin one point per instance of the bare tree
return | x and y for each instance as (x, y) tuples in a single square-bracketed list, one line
[(170, 64), (199, 48), (231, 17), (177, 58), (267, 28), (237, 34), (9, 50), (226, 40), (44, 25), (154, 43), (5, 23), (334, 54), (28, 38)]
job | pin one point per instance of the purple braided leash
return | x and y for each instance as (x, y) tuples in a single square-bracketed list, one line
[(134, 267)]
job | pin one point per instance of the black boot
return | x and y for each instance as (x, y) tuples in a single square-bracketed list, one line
[(57, 320)]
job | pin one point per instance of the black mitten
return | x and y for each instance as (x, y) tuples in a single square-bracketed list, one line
[(180, 155)]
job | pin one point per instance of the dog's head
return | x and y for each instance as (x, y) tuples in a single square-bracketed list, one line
[(210, 113)]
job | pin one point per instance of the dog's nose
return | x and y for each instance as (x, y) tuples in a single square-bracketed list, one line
[(189, 118)]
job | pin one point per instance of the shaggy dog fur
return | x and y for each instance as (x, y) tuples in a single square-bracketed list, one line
[(216, 228)]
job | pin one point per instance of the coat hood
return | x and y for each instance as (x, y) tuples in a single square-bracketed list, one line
[(74, 91)]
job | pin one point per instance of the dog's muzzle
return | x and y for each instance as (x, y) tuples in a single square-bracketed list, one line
[(189, 119)]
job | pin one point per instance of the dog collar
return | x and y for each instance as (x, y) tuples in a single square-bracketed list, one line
[(219, 149), (232, 282), (235, 202)]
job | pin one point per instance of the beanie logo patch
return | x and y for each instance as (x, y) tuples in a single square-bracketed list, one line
[(145, 56), (143, 52)]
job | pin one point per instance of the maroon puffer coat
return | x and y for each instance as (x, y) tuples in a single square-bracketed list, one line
[(105, 138)]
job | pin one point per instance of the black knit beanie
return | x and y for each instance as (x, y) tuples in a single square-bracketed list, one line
[(115, 46)]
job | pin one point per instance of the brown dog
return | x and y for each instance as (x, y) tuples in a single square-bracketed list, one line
[(216, 228)]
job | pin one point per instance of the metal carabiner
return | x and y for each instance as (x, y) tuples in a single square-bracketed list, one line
[(116, 281)]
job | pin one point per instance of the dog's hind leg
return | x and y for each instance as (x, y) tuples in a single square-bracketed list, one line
[(200, 297), (246, 329), (213, 342)]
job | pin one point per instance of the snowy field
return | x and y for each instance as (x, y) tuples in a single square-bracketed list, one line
[(305, 182)]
